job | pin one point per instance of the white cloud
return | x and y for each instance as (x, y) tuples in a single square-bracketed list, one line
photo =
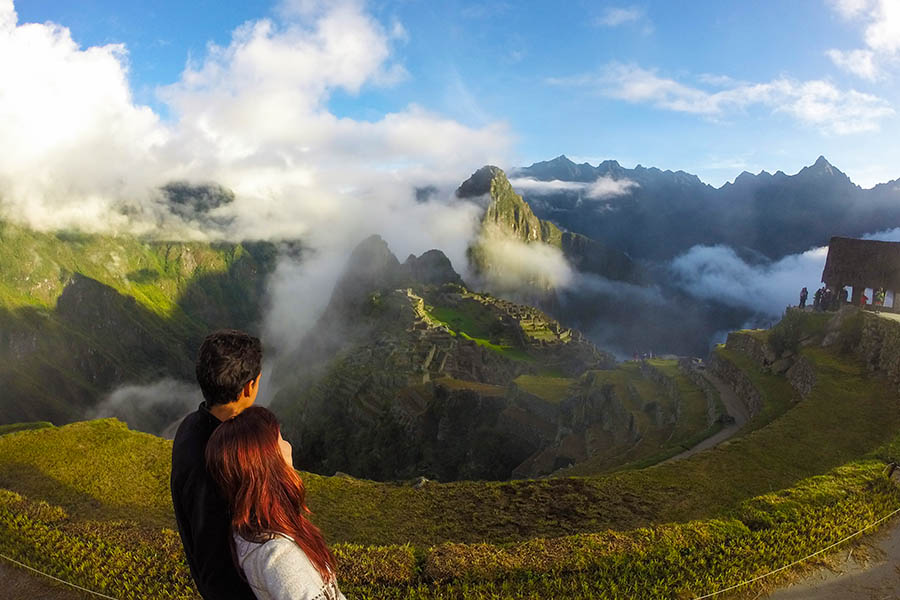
[(888, 235), (156, 408), (718, 273), (252, 115), (607, 187), (615, 16), (858, 62), (881, 36), (529, 185), (602, 188), (850, 9), (524, 268), (815, 103)]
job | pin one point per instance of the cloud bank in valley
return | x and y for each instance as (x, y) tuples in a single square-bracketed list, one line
[(155, 408), (602, 188), (518, 266), (718, 273)]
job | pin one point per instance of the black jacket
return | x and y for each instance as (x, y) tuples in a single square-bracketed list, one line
[(202, 513)]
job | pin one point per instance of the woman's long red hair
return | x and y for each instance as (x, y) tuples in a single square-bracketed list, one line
[(264, 493)]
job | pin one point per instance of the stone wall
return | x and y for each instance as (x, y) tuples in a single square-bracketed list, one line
[(714, 410), (802, 376), (743, 388), (879, 344), (747, 344)]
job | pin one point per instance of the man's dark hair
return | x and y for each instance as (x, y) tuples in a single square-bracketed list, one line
[(228, 360)]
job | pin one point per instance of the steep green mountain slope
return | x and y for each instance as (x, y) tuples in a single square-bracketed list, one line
[(409, 373), (809, 474), (81, 314), (508, 218)]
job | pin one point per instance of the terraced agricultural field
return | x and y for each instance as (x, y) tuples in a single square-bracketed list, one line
[(548, 388)]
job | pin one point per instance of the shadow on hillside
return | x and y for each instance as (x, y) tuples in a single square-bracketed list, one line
[(57, 364), (27, 480)]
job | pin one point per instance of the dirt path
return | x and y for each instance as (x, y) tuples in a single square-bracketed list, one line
[(17, 583), (868, 571), (733, 406)]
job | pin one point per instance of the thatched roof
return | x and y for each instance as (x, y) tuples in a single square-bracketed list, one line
[(863, 263)]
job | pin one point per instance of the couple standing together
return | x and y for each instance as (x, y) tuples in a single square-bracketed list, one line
[(239, 503)]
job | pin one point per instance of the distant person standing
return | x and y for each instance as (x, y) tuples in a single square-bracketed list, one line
[(803, 295), (817, 299), (228, 371), (827, 297), (879, 298), (863, 299)]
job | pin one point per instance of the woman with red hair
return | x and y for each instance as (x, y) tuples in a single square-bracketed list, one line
[(280, 552)]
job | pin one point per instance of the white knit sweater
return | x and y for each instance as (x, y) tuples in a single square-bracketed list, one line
[(279, 569)]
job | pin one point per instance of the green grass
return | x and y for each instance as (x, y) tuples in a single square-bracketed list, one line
[(664, 561), (474, 322), (14, 427), (847, 414), (550, 389)]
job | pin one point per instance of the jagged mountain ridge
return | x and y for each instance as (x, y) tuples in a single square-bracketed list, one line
[(668, 212)]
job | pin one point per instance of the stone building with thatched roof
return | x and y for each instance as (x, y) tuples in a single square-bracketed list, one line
[(863, 264)]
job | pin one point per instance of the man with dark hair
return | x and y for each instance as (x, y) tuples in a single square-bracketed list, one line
[(228, 371)]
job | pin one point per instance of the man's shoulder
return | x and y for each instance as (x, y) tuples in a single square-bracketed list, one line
[(197, 424), (191, 438)]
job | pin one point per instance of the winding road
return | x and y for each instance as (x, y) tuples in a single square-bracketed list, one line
[(733, 406)]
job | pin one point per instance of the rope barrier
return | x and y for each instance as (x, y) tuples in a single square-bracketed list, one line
[(796, 562), (57, 578)]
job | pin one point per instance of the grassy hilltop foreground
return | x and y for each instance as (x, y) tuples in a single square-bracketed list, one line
[(88, 502)]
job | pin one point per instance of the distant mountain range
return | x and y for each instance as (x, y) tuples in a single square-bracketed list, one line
[(656, 215)]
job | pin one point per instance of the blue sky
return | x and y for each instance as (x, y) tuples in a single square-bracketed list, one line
[(554, 73)]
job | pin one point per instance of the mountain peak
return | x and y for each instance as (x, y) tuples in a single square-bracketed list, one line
[(479, 183), (823, 168), (432, 268)]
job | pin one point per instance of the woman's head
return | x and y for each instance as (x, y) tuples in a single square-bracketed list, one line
[(250, 462)]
